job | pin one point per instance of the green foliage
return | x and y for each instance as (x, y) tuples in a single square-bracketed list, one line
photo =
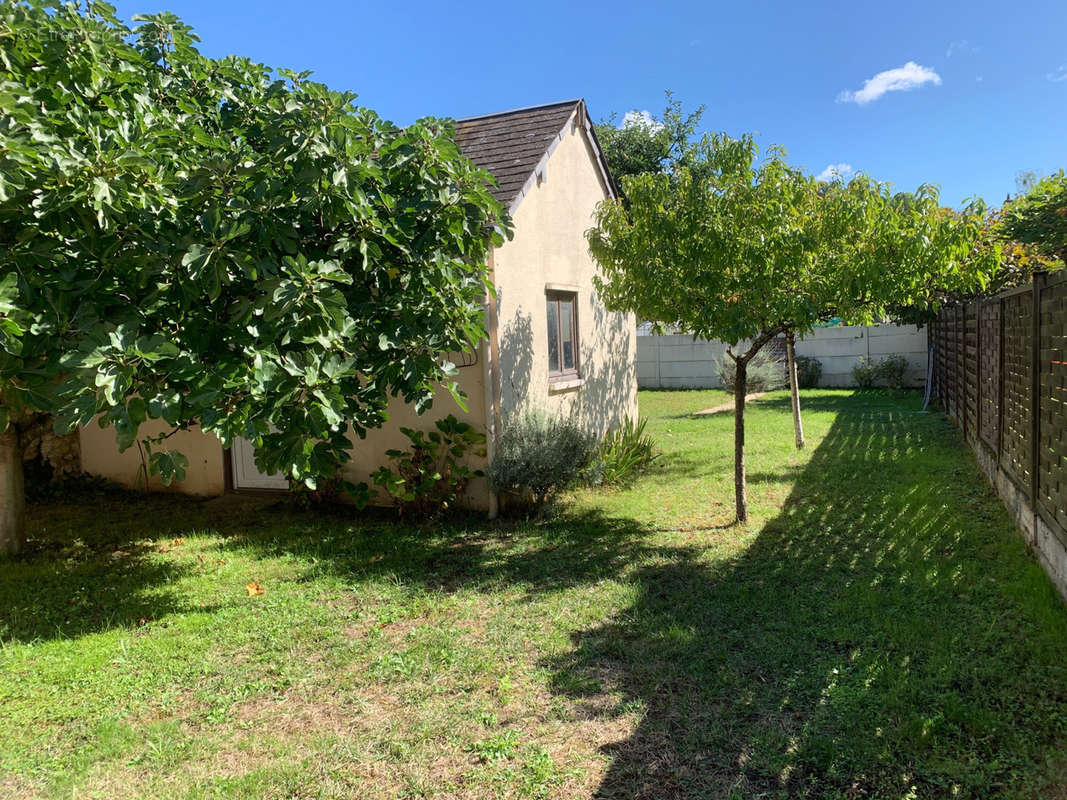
[(892, 371), (329, 488), (205, 241), (639, 145), (540, 454), (621, 456), (864, 373), (496, 748), (809, 371), (763, 374), (432, 473), (743, 247), (1039, 217)]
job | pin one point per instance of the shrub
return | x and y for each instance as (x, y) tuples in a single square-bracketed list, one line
[(540, 454), (809, 372), (864, 374), (764, 373), (892, 371), (621, 456), (431, 474)]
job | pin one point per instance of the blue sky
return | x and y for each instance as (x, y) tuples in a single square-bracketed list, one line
[(988, 80)]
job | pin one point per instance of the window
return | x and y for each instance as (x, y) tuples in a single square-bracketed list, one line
[(562, 335)]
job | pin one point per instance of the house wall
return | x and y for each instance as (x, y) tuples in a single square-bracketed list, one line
[(677, 361), (206, 473), (100, 456), (549, 247), (369, 454)]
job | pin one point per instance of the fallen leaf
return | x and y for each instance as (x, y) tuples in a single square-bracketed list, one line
[(254, 589), (178, 541)]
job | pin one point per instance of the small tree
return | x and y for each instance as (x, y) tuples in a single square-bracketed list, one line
[(743, 250), (201, 242), (1039, 217), (649, 144)]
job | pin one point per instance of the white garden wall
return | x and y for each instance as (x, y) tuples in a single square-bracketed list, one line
[(677, 361)]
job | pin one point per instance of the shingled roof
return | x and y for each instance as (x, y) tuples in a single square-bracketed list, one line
[(512, 144)]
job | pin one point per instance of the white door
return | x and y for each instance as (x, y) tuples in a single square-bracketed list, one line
[(245, 473)]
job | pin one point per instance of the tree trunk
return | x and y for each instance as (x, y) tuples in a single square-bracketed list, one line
[(740, 387), (794, 387), (12, 493)]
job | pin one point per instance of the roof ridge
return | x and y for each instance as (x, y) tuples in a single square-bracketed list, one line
[(575, 101)]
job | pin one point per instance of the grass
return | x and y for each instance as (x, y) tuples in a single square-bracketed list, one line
[(877, 630)]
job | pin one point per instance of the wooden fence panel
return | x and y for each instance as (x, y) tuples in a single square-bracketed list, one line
[(951, 393), (959, 347), (1001, 373), (989, 369), (937, 335), (1052, 437), (1015, 452), (939, 361), (970, 371)]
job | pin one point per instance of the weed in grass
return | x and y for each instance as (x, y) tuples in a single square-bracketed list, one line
[(496, 748)]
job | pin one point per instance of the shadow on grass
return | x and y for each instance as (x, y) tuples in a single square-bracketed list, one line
[(576, 548), (885, 636), (93, 561), (89, 565)]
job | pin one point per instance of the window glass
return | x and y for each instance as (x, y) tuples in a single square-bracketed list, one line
[(553, 336), (566, 331)]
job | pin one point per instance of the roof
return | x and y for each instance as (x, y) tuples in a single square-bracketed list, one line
[(512, 145)]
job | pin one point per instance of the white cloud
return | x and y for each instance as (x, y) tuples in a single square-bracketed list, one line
[(834, 172), (1058, 75), (901, 79), (642, 118)]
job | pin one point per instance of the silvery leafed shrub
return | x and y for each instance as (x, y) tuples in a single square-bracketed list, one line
[(539, 453), (809, 372), (764, 374)]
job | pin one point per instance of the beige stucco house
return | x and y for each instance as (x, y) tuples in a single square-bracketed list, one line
[(551, 345)]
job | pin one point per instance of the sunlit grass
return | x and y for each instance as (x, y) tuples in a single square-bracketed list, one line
[(876, 630)]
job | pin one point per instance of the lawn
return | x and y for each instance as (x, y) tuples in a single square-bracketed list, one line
[(876, 630)]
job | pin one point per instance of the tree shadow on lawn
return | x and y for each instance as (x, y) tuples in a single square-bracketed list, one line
[(93, 563), (885, 636), (90, 565), (886, 630), (576, 548)]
